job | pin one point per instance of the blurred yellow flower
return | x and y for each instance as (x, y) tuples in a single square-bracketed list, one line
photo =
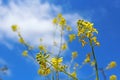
[(44, 71), (72, 37), (59, 15), (74, 54), (55, 21), (25, 53), (94, 39), (56, 60), (42, 48), (74, 74), (92, 63), (83, 43), (113, 77), (62, 22), (68, 28), (87, 60), (57, 63), (14, 28), (21, 40), (89, 34), (112, 64), (64, 46), (97, 43)]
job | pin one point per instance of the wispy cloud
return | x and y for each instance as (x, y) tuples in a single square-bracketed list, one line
[(34, 19)]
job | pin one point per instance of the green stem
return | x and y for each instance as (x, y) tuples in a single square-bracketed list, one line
[(57, 75), (94, 57), (74, 78), (103, 73)]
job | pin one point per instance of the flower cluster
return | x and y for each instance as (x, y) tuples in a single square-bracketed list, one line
[(86, 30), (50, 63), (44, 68), (57, 64)]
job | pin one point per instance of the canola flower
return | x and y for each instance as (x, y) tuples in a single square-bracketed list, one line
[(41, 59), (44, 71), (74, 74), (64, 46), (55, 21), (72, 37), (86, 34), (25, 53), (113, 77), (68, 28), (61, 21), (74, 54), (42, 48), (14, 28), (87, 60), (92, 63), (21, 40), (86, 30), (57, 63), (112, 64)]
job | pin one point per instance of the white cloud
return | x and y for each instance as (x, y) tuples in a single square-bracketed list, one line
[(34, 19)]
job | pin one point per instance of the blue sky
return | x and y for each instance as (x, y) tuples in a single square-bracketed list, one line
[(103, 13)]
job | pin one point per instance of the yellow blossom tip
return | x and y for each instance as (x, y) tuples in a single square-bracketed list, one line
[(74, 54), (112, 64), (14, 27), (113, 77), (64, 46), (25, 53)]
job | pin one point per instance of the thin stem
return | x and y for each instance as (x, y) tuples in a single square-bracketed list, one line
[(94, 57), (57, 73), (74, 78), (60, 43), (103, 73)]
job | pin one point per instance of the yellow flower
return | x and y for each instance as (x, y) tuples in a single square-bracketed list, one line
[(71, 37), (59, 16), (94, 39), (62, 22), (64, 46), (57, 63), (95, 30), (113, 77), (44, 71), (87, 60), (56, 60), (111, 65), (86, 30), (21, 40), (74, 74), (97, 43), (92, 63), (68, 28), (14, 28), (89, 34), (83, 42), (25, 53), (74, 54), (76, 64), (42, 48), (55, 21)]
